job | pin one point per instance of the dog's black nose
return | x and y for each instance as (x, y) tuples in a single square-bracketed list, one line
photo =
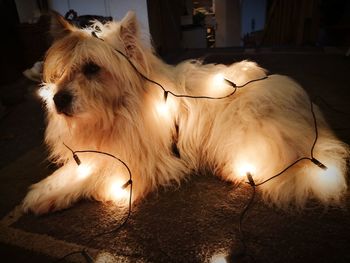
[(63, 101)]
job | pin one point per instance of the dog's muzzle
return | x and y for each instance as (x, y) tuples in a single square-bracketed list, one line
[(63, 102)]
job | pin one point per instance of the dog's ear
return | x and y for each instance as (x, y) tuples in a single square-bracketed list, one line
[(59, 27), (129, 33)]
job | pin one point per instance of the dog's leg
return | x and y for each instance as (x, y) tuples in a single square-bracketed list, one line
[(55, 192)]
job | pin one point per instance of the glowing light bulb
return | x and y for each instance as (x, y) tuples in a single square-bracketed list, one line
[(104, 257), (84, 171), (329, 177), (218, 79), (221, 86), (46, 93), (117, 191), (218, 258), (245, 168), (162, 108)]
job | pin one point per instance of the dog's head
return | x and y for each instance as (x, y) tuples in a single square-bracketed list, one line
[(94, 89), (84, 75)]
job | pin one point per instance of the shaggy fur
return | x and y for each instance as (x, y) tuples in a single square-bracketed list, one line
[(264, 126)]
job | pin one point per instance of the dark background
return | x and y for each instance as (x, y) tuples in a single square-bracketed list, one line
[(307, 40)]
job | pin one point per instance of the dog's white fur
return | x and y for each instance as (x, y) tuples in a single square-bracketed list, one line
[(267, 124)]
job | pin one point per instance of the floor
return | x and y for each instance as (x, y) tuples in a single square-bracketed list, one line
[(191, 223)]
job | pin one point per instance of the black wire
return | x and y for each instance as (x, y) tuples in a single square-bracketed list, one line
[(87, 257), (122, 224), (76, 158), (130, 195), (235, 87), (217, 98), (130, 181), (315, 127), (68, 147), (68, 255), (83, 252), (241, 217), (243, 252), (223, 97), (107, 154), (254, 185), (312, 158), (181, 95), (202, 97), (104, 153), (284, 170)]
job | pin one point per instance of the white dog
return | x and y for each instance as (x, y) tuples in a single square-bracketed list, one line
[(103, 91)]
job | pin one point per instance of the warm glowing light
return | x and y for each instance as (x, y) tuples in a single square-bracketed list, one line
[(104, 257), (218, 258), (165, 107), (220, 85), (218, 79), (45, 93), (162, 108), (244, 168), (117, 192), (329, 178), (84, 171)]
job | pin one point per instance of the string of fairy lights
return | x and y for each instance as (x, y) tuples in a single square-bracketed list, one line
[(251, 182)]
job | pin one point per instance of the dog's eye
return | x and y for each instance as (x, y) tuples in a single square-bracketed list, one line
[(90, 68)]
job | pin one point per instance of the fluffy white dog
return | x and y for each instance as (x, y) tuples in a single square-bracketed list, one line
[(101, 93)]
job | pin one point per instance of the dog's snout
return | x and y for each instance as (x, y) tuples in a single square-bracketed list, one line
[(63, 101)]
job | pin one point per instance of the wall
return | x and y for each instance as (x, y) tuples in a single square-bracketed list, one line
[(228, 31), (115, 8)]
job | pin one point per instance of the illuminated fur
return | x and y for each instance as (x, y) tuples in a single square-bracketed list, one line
[(266, 125)]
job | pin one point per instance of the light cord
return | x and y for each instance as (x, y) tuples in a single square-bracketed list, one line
[(84, 253), (251, 181), (243, 252), (312, 158), (129, 182), (166, 92)]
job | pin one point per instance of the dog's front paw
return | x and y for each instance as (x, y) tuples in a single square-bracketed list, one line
[(44, 198), (38, 202)]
